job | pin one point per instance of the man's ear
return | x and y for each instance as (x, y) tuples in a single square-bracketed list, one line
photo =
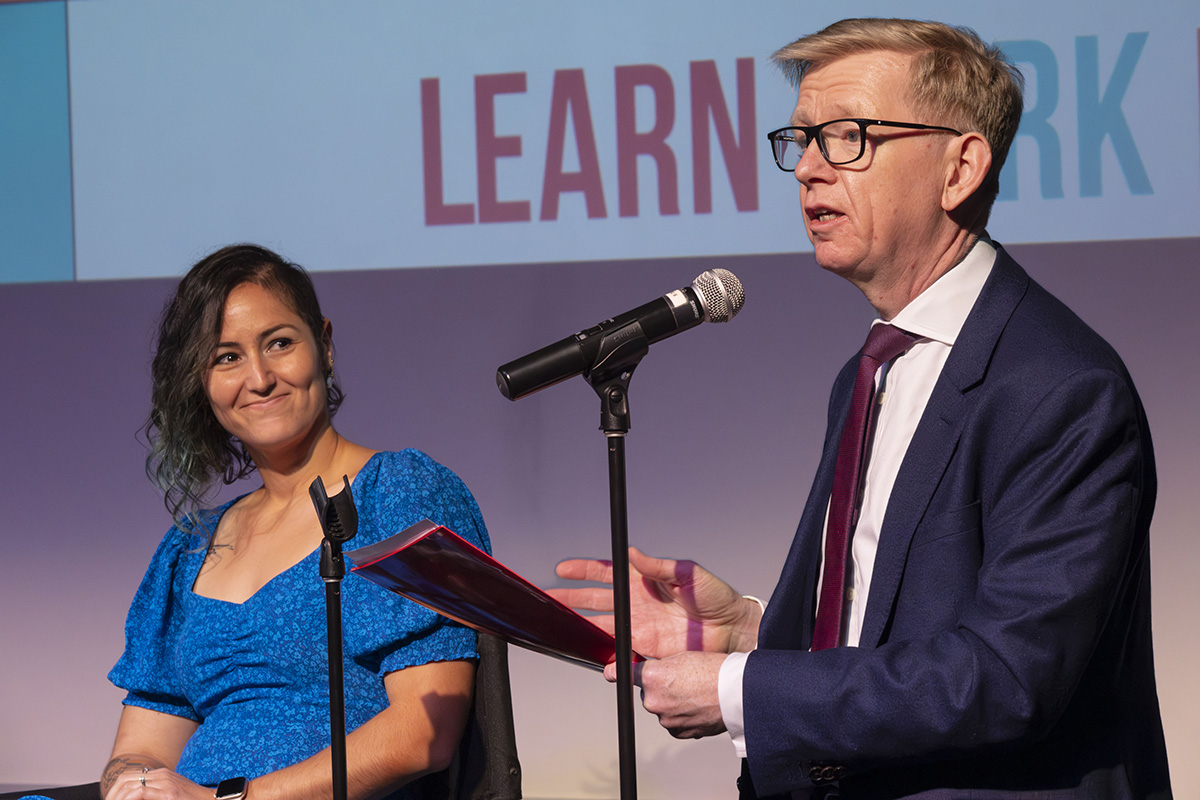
[(968, 160)]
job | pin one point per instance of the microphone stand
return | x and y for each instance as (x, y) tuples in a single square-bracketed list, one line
[(339, 522), (716, 296), (621, 350)]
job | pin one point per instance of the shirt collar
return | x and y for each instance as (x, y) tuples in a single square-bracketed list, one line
[(939, 312)]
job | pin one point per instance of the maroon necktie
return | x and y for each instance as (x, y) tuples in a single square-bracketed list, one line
[(884, 343)]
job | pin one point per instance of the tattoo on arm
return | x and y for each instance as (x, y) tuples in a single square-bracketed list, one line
[(125, 763)]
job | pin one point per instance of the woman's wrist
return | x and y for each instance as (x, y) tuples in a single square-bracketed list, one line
[(126, 762), (232, 789)]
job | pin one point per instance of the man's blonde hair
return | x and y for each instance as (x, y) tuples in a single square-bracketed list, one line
[(957, 79)]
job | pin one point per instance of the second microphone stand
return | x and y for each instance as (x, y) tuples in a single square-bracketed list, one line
[(339, 522)]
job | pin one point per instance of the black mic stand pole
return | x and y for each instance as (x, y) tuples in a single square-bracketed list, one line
[(339, 522), (621, 350)]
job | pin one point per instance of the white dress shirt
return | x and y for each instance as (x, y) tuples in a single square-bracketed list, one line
[(903, 389)]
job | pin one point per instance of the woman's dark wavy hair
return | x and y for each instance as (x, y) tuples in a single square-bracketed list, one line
[(189, 450)]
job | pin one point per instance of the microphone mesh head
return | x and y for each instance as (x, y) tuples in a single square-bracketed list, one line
[(720, 294)]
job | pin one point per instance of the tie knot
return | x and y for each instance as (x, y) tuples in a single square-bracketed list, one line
[(885, 342)]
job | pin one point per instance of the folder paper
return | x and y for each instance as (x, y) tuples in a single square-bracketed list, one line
[(435, 567)]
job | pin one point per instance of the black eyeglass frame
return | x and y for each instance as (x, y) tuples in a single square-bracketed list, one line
[(813, 132)]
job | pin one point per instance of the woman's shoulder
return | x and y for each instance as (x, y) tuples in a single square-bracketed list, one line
[(173, 566), (397, 469), (401, 487), (190, 537)]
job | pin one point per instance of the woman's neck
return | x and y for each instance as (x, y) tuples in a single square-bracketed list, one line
[(288, 474)]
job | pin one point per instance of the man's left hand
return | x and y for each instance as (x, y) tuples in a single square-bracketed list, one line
[(681, 690)]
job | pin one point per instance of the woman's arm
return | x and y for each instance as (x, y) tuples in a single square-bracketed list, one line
[(145, 740), (416, 734)]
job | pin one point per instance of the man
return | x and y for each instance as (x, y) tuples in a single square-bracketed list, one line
[(968, 616)]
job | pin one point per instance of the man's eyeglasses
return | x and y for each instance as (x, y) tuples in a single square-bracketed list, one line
[(841, 141)]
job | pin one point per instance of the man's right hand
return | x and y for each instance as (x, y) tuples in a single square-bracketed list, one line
[(674, 606)]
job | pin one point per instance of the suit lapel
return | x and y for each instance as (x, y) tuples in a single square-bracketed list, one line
[(937, 435)]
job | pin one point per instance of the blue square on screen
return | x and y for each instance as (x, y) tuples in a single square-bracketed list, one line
[(36, 237)]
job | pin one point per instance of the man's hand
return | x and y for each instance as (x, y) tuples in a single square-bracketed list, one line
[(674, 606), (681, 691)]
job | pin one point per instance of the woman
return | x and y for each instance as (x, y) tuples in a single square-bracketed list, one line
[(225, 659)]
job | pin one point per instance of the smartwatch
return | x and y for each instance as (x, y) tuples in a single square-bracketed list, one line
[(232, 789)]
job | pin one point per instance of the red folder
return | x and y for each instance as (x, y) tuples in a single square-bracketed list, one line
[(434, 566)]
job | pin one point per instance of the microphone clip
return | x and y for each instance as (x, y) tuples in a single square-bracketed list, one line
[(339, 523), (621, 349)]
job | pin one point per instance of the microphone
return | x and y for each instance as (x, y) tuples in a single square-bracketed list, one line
[(715, 296)]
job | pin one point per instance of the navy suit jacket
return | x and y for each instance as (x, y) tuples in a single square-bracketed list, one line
[(1006, 646)]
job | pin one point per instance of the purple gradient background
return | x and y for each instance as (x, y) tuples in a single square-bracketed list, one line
[(727, 427)]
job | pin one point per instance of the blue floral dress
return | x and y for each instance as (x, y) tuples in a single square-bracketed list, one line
[(255, 674)]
